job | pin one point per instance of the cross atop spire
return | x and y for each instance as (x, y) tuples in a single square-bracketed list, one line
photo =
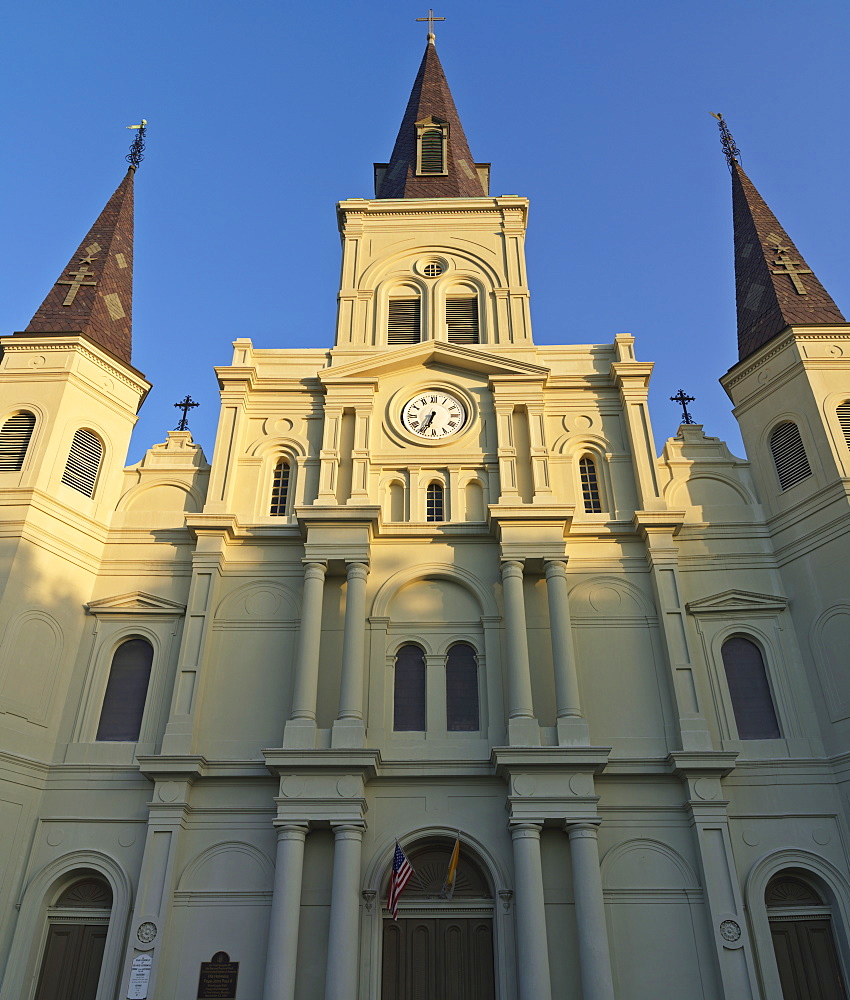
[(431, 19)]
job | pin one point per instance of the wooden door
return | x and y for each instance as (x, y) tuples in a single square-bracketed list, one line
[(439, 958), (807, 960), (70, 969)]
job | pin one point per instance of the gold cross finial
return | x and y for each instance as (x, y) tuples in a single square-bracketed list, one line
[(430, 19)]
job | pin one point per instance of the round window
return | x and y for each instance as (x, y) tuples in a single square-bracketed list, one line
[(433, 270)]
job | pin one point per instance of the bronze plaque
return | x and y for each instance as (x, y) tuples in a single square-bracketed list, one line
[(218, 978)]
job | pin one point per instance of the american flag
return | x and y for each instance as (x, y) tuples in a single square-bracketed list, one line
[(402, 870)]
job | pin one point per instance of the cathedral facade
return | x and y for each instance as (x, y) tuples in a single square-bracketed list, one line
[(436, 584)]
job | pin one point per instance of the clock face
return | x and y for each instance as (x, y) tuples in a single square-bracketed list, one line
[(434, 414)]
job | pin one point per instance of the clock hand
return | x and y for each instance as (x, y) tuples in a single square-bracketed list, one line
[(426, 423)]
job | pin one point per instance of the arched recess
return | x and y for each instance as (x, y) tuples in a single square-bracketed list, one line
[(706, 490), (394, 495), (830, 642), (232, 866), (39, 894), (833, 885), (433, 571), (643, 863), (260, 601), (609, 595), (162, 495), (30, 655)]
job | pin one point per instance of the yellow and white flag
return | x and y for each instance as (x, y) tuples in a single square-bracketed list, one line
[(449, 884)]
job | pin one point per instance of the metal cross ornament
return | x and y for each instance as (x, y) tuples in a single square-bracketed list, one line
[(430, 19), (185, 405), (682, 399)]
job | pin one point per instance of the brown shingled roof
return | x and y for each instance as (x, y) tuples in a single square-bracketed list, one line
[(430, 97), (774, 286), (94, 294)]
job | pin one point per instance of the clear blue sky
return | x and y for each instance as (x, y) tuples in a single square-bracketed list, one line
[(263, 115)]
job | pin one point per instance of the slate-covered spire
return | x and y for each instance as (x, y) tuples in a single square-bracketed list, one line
[(430, 103), (774, 286), (94, 294)]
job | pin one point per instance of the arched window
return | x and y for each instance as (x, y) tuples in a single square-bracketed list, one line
[(280, 488), (14, 441), (749, 689), (789, 455), (589, 485), (843, 414), (403, 324), (83, 463), (801, 929), (462, 320), (435, 507), (431, 158), (126, 692), (409, 690), (462, 689)]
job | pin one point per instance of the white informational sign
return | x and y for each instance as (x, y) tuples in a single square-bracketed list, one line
[(140, 974)]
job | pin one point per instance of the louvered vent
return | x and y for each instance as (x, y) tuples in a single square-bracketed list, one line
[(843, 412), (83, 462), (462, 320), (789, 456), (14, 441), (431, 152), (403, 325)]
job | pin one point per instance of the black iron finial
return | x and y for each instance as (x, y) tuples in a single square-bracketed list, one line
[(730, 150), (185, 405), (682, 399), (137, 150)]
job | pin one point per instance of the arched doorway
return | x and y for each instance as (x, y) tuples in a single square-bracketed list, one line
[(440, 949), (801, 928), (77, 924)]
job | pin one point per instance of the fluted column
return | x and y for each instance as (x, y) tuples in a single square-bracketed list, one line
[(303, 714), (522, 725), (343, 966), (282, 950), (571, 726), (594, 955), (531, 947), (348, 728)]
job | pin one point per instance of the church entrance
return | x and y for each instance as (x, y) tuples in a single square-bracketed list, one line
[(76, 936), (440, 949), (801, 928)]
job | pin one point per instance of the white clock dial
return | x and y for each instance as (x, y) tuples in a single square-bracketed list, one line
[(434, 414)]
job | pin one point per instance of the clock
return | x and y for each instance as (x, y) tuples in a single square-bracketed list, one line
[(434, 414)]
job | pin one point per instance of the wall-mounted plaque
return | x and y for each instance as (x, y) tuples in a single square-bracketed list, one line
[(140, 974), (218, 978)]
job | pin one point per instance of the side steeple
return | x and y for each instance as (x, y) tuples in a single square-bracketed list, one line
[(431, 157), (93, 296), (774, 286)]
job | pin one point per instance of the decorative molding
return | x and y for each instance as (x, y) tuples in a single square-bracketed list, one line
[(135, 602), (737, 602)]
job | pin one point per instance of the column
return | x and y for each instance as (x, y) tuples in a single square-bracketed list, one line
[(522, 725), (301, 729), (594, 957), (282, 950), (531, 947), (343, 968), (572, 728), (348, 729)]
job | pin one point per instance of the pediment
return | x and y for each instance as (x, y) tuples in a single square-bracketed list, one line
[(433, 353), (737, 602), (135, 603)]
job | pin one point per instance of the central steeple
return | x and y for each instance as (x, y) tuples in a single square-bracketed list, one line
[(431, 157)]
